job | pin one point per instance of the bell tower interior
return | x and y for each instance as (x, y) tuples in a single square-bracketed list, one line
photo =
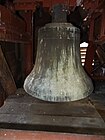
[(52, 69)]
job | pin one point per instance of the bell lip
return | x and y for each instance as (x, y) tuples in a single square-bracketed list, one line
[(62, 101), (65, 101)]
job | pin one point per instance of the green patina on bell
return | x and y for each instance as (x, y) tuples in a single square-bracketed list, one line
[(58, 75)]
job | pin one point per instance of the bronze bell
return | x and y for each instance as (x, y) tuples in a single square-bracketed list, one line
[(58, 75)]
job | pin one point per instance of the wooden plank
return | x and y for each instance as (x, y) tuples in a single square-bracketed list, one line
[(67, 109), (101, 110), (22, 101), (99, 102), (79, 125), (6, 78), (36, 135), (56, 121)]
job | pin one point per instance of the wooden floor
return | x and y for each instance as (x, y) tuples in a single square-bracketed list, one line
[(24, 112)]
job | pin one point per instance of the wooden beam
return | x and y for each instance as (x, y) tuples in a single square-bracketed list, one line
[(6, 78), (31, 4), (12, 28), (26, 6), (34, 135)]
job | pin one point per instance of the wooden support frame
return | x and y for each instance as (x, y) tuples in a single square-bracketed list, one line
[(97, 9), (28, 47), (6, 78), (90, 50), (31, 4), (12, 28), (34, 117)]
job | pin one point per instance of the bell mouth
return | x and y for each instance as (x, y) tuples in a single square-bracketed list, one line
[(59, 99)]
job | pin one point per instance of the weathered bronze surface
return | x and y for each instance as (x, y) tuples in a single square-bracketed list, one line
[(58, 75)]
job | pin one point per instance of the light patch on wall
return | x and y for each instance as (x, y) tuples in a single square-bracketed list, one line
[(84, 44), (83, 50)]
